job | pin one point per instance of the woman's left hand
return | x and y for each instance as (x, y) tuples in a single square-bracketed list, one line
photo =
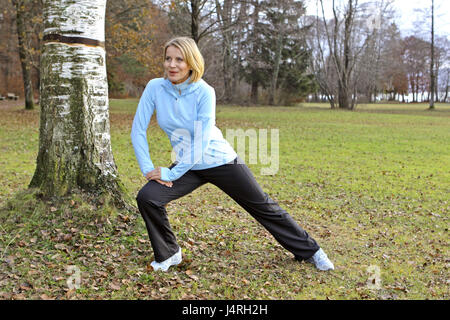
[(155, 174)]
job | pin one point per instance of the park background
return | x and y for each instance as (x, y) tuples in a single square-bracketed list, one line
[(364, 154)]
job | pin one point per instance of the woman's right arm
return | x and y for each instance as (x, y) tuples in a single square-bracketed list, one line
[(141, 120)]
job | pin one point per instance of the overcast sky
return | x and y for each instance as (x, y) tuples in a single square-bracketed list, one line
[(405, 13)]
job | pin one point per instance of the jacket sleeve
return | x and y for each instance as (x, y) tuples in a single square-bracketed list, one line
[(141, 120), (206, 112)]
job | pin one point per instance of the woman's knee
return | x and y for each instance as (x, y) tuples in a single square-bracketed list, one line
[(149, 194), (141, 196)]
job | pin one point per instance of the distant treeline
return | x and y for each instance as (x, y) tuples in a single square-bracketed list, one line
[(256, 51)]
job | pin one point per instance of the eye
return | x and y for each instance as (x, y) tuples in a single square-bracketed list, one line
[(167, 58), (179, 59)]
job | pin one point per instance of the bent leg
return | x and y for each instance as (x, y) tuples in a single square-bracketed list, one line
[(236, 180), (151, 200)]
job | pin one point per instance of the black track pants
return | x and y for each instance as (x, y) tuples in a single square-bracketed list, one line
[(237, 181)]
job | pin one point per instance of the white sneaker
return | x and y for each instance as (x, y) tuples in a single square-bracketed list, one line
[(321, 261), (165, 265)]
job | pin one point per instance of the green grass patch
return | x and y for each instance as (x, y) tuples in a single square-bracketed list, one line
[(371, 186)]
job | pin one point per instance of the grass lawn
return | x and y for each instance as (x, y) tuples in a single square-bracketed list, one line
[(371, 186)]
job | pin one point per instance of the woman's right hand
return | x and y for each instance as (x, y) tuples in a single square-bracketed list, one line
[(165, 183)]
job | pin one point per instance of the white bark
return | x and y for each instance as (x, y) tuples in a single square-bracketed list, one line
[(75, 144), (82, 18)]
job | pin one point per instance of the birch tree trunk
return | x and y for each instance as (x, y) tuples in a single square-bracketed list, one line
[(74, 138)]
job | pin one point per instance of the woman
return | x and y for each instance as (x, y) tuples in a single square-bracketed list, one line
[(185, 110)]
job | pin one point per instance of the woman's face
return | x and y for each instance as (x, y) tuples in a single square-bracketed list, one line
[(177, 70)]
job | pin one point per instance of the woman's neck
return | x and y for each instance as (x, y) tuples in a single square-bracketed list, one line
[(181, 81)]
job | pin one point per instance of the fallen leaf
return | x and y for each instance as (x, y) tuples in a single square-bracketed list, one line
[(70, 293), (193, 277), (114, 286)]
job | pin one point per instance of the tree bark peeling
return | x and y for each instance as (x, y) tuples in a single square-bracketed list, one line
[(74, 141)]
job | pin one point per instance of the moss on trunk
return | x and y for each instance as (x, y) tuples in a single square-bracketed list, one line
[(74, 139)]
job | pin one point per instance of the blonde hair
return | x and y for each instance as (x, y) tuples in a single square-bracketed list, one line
[(191, 55)]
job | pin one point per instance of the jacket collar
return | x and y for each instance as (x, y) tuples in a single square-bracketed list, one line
[(181, 89)]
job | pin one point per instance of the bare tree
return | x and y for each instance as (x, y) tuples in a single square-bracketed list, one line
[(345, 47), (194, 18), (416, 55), (255, 50), (393, 75), (25, 59), (432, 75), (446, 84), (339, 52), (224, 16), (231, 15), (442, 60)]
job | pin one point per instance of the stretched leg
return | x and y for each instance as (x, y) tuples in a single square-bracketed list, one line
[(236, 180), (151, 200)]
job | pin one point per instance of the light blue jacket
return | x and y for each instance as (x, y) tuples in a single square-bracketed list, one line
[(187, 114)]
